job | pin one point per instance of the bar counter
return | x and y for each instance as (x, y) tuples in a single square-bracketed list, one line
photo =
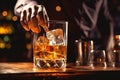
[(25, 71)]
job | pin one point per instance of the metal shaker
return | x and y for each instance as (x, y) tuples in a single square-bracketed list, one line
[(83, 48)]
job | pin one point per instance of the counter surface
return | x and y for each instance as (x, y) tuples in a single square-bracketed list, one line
[(23, 70)]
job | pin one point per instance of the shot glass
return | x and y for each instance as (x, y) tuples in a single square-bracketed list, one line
[(97, 58), (50, 48)]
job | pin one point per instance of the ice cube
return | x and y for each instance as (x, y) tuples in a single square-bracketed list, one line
[(55, 37), (42, 39)]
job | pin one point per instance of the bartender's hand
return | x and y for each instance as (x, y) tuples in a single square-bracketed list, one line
[(33, 17)]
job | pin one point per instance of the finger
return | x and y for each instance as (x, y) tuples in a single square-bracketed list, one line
[(47, 22), (23, 21), (29, 12), (34, 10), (33, 24), (23, 15), (46, 18), (42, 20), (25, 26)]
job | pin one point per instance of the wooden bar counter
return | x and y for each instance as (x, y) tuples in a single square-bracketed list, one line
[(25, 71)]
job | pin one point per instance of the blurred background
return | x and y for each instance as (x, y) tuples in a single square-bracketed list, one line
[(16, 43)]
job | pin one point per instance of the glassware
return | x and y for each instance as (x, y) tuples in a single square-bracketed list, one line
[(83, 49), (117, 42), (50, 48), (97, 58), (115, 57)]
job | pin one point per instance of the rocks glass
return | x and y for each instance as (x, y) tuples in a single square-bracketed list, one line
[(50, 48), (97, 59)]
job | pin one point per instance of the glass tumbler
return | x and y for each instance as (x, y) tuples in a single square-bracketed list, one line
[(116, 58), (97, 58), (50, 48)]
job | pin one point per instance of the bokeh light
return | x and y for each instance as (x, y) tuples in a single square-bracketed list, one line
[(58, 8), (14, 18), (4, 13)]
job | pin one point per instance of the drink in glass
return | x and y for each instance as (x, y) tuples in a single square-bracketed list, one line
[(50, 48)]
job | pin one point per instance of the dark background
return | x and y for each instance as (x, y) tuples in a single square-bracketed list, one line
[(16, 46)]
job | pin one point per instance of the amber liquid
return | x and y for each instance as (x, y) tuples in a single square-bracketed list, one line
[(47, 56)]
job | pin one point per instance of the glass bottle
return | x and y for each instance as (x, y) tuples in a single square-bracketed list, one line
[(117, 42), (116, 52)]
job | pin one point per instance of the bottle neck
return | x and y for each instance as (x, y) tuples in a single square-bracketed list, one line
[(117, 44)]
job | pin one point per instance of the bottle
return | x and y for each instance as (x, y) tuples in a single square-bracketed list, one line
[(116, 52), (117, 42)]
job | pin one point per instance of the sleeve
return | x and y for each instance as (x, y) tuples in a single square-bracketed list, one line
[(109, 27), (106, 11), (22, 3)]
